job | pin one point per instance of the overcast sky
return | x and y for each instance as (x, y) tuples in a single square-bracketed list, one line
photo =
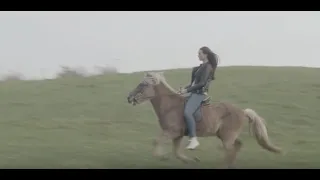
[(37, 43)]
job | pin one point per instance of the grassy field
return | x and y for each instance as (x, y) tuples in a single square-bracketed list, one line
[(87, 123)]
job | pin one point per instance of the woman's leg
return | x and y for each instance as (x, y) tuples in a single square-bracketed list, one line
[(192, 105)]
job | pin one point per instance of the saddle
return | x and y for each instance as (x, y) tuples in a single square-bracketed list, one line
[(207, 100)]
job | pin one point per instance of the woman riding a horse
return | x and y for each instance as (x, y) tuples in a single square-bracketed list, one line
[(198, 89)]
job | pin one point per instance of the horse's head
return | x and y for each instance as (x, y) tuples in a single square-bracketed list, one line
[(145, 89)]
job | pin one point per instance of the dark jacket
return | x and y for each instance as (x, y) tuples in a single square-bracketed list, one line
[(194, 70), (202, 75)]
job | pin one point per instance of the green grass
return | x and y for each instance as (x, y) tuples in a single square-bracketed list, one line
[(87, 123)]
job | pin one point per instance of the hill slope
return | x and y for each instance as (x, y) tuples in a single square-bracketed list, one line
[(87, 123)]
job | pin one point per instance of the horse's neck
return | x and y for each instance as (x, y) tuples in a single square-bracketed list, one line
[(162, 95), (164, 101)]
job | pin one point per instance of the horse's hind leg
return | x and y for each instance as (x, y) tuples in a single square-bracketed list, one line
[(177, 151), (231, 145), (237, 145)]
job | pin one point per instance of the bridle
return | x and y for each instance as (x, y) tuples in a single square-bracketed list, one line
[(156, 92)]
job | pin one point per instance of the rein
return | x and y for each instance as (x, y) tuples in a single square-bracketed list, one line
[(161, 95), (152, 97)]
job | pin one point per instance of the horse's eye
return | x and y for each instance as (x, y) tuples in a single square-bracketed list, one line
[(142, 84)]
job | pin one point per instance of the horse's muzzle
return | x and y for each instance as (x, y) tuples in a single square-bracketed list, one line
[(131, 100)]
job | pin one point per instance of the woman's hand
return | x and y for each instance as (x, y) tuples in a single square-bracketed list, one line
[(182, 91)]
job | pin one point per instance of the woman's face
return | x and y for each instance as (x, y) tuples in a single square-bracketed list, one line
[(201, 56)]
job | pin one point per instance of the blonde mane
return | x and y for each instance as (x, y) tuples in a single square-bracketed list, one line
[(159, 78)]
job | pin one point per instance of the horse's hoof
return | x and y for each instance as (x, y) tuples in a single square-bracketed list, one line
[(196, 159), (283, 153), (193, 160), (185, 161)]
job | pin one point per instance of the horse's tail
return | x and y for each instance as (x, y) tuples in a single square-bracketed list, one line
[(258, 129)]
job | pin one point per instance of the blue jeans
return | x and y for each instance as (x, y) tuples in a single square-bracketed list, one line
[(191, 106)]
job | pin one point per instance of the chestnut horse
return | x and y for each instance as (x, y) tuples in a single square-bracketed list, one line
[(223, 120)]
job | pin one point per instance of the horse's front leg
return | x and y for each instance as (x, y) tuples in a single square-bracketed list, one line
[(158, 145), (177, 151)]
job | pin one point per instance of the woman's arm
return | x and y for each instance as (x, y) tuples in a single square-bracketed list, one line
[(203, 81), (194, 69)]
